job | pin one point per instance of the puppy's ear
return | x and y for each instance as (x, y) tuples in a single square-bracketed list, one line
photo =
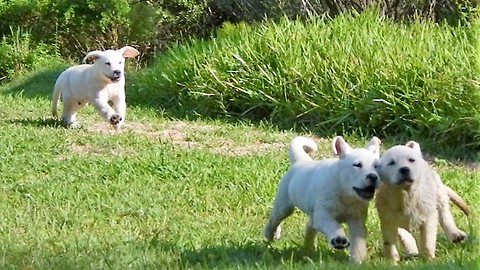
[(128, 51), (374, 145), (414, 145), (94, 55), (340, 147)]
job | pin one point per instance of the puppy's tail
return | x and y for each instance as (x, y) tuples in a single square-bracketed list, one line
[(457, 200), (55, 98), (300, 147)]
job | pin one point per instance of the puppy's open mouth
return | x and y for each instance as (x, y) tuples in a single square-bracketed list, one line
[(366, 193), (114, 78), (405, 181)]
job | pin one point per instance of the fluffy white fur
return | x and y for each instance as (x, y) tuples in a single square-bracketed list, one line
[(96, 83), (445, 217), (412, 197), (330, 192)]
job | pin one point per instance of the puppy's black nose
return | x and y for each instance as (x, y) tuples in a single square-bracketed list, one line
[(373, 178), (404, 170), (117, 73)]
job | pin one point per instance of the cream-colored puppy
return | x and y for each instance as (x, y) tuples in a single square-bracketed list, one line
[(453, 233), (330, 191), (412, 197), (96, 83)]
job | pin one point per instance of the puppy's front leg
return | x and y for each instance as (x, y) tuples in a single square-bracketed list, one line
[(389, 233), (358, 234), (408, 242), (120, 107), (324, 222), (107, 112), (428, 237)]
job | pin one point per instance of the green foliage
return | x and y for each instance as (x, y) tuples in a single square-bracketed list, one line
[(238, 10), (353, 72), (19, 54), (79, 26)]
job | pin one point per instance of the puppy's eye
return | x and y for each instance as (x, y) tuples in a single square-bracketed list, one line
[(107, 63), (376, 166), (411, 160), (391, 163), (358, 165)]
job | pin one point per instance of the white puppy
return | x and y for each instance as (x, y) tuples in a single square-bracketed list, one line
[(412, 197), (330, 192), (97, 84)]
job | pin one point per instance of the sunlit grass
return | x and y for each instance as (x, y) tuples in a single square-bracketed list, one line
[(353, 72), (194, 193), (166, 193)]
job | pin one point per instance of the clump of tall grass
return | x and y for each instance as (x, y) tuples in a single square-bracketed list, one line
[(353, 72)]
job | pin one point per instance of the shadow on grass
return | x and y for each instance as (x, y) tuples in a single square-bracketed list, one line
[(256, 254), (38, 122), (36, 84)]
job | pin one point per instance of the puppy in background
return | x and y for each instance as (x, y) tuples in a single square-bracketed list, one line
[(330, 191), (412, 197), (96, 83)]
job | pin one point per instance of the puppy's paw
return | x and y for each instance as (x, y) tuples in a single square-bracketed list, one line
[(271, 234), (74, 124), (277, 233), (116, 119), (457, 236), (340, 242)]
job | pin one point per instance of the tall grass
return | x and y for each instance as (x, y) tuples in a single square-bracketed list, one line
[(353, 72)]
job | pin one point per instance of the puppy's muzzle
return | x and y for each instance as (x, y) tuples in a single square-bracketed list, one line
[(368, 192), (373, 179), (404, 176), (117, 75)]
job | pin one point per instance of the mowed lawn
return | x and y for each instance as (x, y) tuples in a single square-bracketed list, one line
[(168, 193)]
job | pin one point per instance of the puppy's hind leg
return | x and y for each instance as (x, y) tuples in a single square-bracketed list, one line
[(281, 209), (70, 109), (279, 212), (310, 236), (453, 233)]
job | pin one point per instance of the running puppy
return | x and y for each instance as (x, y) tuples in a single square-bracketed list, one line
[(98, 83), (412, 197), (330, 192), (452, 232)]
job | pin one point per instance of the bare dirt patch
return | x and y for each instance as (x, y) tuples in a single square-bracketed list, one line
[(188, 135), (89, 149)]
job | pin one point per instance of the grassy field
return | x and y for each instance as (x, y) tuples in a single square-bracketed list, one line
[(166, 193)]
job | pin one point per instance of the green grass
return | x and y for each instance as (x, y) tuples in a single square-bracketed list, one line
[(353, 73), (176, 192), (165, 193)]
